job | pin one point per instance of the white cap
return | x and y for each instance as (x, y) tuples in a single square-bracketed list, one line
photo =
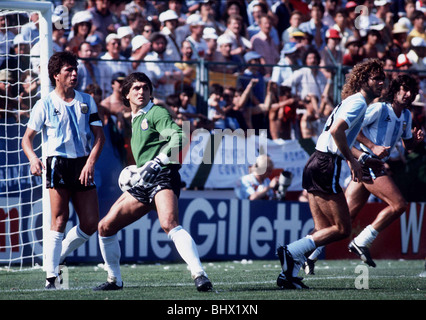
[(209, 33), (81, 16), (124, 31), (111, 36), (379, 3), (224, 39), (168, 15), (195, 20), (418, 42), (19, 39), (138, 42)]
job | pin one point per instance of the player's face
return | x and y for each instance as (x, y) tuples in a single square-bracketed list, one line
[(375, 84), (139, 95), (67, 77), (404, 97)]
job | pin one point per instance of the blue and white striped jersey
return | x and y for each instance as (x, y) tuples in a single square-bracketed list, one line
[(66, 125), (352, 110), (382, 127)]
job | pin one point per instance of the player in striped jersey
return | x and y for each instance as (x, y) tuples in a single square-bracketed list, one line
[(385, 123), (67, 119), (321, 174), (156, 142)]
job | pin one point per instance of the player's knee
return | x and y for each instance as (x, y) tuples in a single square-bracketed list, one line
[(104, 229), (344, 230), (168, 225), (399, 207)]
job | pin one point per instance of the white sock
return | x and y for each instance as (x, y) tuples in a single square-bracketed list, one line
[(74, 239), (300, 247), (366, 237), (314, 255), (53, 247), (111, 252), (187, 249)]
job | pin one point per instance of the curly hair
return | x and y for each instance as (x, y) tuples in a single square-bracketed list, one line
[(359, 76), (407, 81), (57, 61)]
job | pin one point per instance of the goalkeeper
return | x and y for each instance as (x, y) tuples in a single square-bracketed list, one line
[(156, 141)]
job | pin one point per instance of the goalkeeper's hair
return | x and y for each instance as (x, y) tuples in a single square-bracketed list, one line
[(128, 83), (57, 61)]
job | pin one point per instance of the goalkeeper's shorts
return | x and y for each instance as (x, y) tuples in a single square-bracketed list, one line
[(168, 178), (64, 173)]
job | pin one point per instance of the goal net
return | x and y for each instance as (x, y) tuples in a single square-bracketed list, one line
[(24, 26)]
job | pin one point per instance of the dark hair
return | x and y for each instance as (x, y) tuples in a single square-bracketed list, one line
[(173, 100), (216, 89), (405, 80), (310, 50), (57, 61), (128, 83), (157, 35)]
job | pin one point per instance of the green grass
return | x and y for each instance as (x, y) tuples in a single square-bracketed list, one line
[(232, 280)]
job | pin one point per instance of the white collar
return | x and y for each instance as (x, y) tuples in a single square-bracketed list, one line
[(143, 110)]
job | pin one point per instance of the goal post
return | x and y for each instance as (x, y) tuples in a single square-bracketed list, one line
[(24, 201)]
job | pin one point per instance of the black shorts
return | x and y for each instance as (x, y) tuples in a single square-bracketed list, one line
[(373, 172), (322, 173), (63, 173), (168, 178)]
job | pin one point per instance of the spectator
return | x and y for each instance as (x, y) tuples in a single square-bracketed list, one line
[(257, 94), (81, 28), (6, 39), (295, 21), (402, 62), (369, 49), (103, 19), (174, 103), (8, 105), (111, 62), (284, 11), (353, 55), (288, 63), (233, 61), (217, 109), (145, 8), (208, 17), (30, 31), (196, 27), (282, 114), (330, 10), (87, 72), (417, 54), (331, 55), (126, 35), (259, 9), (341, 25), (140, 48), (29, 95), (233, 110), (115, 106), (139, 25), (169, 21), (188, 69), (352, 16), (164, 75), (209, 34), (315, 27), (263, 44), (96, 43), (256, 185), (399, 35), (309, 79), (240, 44), (177, 6), (418, 21)]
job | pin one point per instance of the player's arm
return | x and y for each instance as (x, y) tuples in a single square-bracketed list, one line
[(417, 136), (380, 151), (88, 172), (337, 131), (36, 165)]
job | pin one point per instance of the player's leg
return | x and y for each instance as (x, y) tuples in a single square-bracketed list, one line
[(87, 208), (356, 196), (59, 200), (123, 212), (166, 204)]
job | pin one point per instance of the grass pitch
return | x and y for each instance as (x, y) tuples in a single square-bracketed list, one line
[(232, 280)]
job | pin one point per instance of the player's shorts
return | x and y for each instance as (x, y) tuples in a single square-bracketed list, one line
[(373, 172), (322, 173), (63, 173), (168, 178)]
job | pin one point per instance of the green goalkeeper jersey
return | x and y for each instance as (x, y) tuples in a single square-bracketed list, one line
[(155, 132)]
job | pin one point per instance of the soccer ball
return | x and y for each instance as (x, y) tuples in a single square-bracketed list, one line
[(129, 176)]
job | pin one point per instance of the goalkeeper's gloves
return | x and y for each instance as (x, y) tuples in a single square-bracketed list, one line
[(150, 170)]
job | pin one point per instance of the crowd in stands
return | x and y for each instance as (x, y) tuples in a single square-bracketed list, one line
[(276, 61)]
